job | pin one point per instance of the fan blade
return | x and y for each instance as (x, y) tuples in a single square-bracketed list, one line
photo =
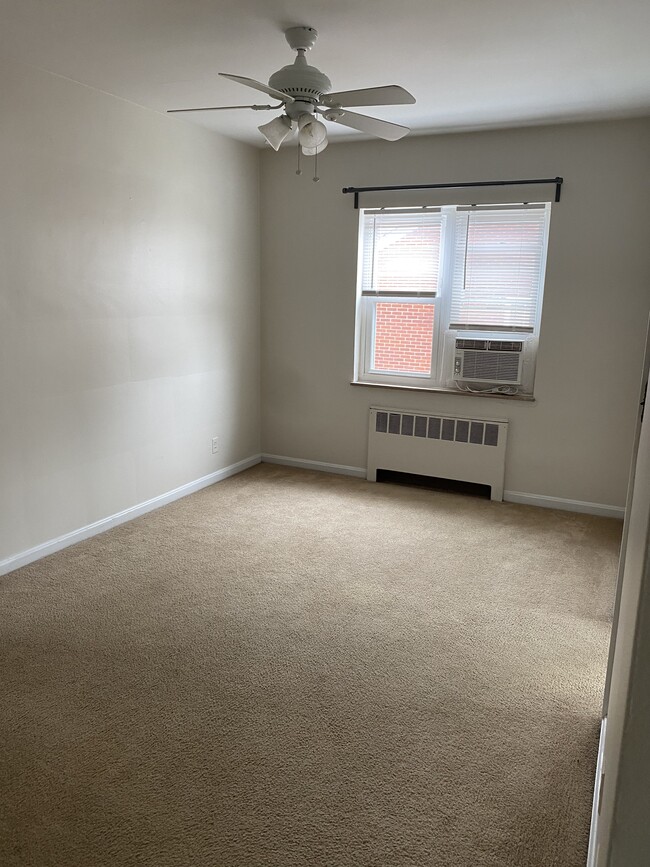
[(225, 108), (380, 128), (392, 94), (257, 85)]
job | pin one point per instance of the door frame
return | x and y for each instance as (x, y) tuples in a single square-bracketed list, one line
[(633, 573)]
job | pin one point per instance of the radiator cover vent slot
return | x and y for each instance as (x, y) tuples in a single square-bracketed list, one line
[(461, 430)]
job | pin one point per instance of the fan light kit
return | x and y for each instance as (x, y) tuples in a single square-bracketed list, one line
[(303, 93)]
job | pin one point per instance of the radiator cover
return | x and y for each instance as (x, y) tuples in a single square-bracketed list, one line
[(464, 448)]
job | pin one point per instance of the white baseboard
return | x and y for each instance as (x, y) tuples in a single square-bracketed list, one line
[(567, 505), (510, 496), (54, 545), (321, 466)]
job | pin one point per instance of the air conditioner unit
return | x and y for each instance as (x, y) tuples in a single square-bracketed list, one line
[(498, 362)]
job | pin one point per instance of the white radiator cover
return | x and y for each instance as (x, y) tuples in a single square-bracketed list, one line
[(462, 448)]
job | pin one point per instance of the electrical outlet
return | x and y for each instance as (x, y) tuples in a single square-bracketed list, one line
[(215, 445)]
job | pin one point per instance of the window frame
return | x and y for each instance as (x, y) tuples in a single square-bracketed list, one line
[(368, 313), (440, 374)]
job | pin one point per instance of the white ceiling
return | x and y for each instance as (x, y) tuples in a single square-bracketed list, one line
[(470, 63)]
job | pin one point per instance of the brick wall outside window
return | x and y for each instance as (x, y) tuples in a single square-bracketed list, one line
[(403, 337)]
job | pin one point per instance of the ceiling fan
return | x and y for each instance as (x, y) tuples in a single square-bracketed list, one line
[(303, 93)]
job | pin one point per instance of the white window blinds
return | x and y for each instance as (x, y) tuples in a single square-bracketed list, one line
[(498, 269), (401, 253)]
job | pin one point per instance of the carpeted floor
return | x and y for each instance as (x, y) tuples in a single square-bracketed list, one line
[(292, 669)]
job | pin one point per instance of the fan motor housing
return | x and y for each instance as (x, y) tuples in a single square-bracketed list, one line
[(301, 81)]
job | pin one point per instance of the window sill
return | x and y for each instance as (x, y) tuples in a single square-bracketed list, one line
[(528, 398)]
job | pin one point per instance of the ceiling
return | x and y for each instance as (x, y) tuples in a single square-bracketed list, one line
[(471, 64)]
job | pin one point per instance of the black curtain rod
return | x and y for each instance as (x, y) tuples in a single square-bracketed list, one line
[(356, 190)]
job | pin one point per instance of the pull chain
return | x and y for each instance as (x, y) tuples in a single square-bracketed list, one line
[(299, 169), (316, 178)]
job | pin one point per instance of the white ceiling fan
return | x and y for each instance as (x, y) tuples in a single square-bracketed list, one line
[(303, 93)]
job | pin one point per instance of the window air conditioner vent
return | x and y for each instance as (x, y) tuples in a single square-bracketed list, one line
[(490, 345), (493, 361), (505, 345), (471, 344)]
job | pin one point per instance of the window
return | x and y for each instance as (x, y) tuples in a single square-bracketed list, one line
[(433, 281)]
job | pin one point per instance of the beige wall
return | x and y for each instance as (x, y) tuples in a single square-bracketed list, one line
[(574, 442), (129, 305)]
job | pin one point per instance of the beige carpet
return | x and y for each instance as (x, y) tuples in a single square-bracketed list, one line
[(291, 668)]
